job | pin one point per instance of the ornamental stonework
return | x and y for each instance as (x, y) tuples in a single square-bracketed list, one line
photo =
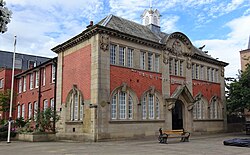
[(104, 42)]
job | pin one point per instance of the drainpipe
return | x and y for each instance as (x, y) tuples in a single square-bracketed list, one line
[(39, 98), (54, 115)]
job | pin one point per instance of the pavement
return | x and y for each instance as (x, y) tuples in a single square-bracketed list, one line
[(198, 145)]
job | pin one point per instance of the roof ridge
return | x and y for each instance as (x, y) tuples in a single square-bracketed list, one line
[(108, 18)]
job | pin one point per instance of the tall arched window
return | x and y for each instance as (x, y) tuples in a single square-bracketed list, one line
[(75, 103), (150, 106), (122, 105), (214, 108), (198, 110)]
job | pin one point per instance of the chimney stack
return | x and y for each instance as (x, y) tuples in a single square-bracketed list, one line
[(91, 23)]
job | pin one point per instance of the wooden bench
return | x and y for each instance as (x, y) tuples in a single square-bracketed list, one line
[(164, 135)]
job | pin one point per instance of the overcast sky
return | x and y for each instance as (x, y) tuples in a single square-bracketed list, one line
[(222, 25)]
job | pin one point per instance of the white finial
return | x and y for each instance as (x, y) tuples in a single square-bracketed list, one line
[(150, 3)]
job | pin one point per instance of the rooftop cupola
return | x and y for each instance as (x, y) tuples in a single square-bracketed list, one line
[(151, 19)]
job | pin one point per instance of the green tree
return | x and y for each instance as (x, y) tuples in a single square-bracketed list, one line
[(44, 120), (5, 15), (238, 97), (5, 102)]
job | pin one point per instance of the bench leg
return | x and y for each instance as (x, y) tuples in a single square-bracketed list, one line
[(165, 140)]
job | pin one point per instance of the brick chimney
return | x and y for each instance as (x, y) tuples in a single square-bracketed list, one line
[(90, 24)]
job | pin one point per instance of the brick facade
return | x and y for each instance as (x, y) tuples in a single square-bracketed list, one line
[(43, 90), (117, 85)]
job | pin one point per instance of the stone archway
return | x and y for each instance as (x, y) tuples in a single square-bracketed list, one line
[(177, 115), (180, 105)]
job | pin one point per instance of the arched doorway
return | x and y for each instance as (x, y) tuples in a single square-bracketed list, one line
[(177, 116)]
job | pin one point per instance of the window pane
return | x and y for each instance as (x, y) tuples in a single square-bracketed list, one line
[(31, 80), (151, 106), (76, 107), (176, 67), (157, 63), (112, 54), (144, 110), (18, 111), (122, 104), (170, 66), (121, 56), (37, 79), (24, 83), (130, 107), (45, 104), (181, 68), (157, 109), (35, 109), (20, 85), (23, 111), (142, 60), (52, 103), (30, 110), (130, 57), (113, 107), (150, 61)]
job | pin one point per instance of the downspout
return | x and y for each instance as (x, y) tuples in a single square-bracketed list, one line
[(39, 99), (54, 110)]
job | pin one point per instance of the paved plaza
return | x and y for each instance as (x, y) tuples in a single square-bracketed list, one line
[(198, 145)]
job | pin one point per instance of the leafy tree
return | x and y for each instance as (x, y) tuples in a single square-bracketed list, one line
[(238, 97), (44, 120), (5, 102), (5, 15)]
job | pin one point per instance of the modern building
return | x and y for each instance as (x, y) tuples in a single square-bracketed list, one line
[(120, 79), (35, 89)]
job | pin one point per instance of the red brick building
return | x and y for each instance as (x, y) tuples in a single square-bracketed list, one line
[(121, 79), (22, 63), (35, 89), (5, 84)]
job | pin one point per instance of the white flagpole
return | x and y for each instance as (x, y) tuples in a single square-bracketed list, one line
[(11, 94)]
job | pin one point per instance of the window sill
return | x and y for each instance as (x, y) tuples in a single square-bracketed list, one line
[(135, 121), (211, 120), (74, 122)]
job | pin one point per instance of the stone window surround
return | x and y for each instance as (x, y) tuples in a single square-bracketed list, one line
[(207, 111), (135, 57), (137, 109), (176, 70), (69, 105), (205, 73)]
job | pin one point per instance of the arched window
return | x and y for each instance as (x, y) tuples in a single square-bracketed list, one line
[(214, 108), (122, 105), (150, 106), (198, 110), (75, 103)]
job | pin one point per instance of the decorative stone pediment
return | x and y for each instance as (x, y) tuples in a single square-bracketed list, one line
[(178, 44)]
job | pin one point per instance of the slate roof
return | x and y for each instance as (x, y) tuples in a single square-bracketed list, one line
[(138, 30), (130, 27)]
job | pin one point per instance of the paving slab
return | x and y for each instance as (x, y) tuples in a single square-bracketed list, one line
[(198, 145)]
